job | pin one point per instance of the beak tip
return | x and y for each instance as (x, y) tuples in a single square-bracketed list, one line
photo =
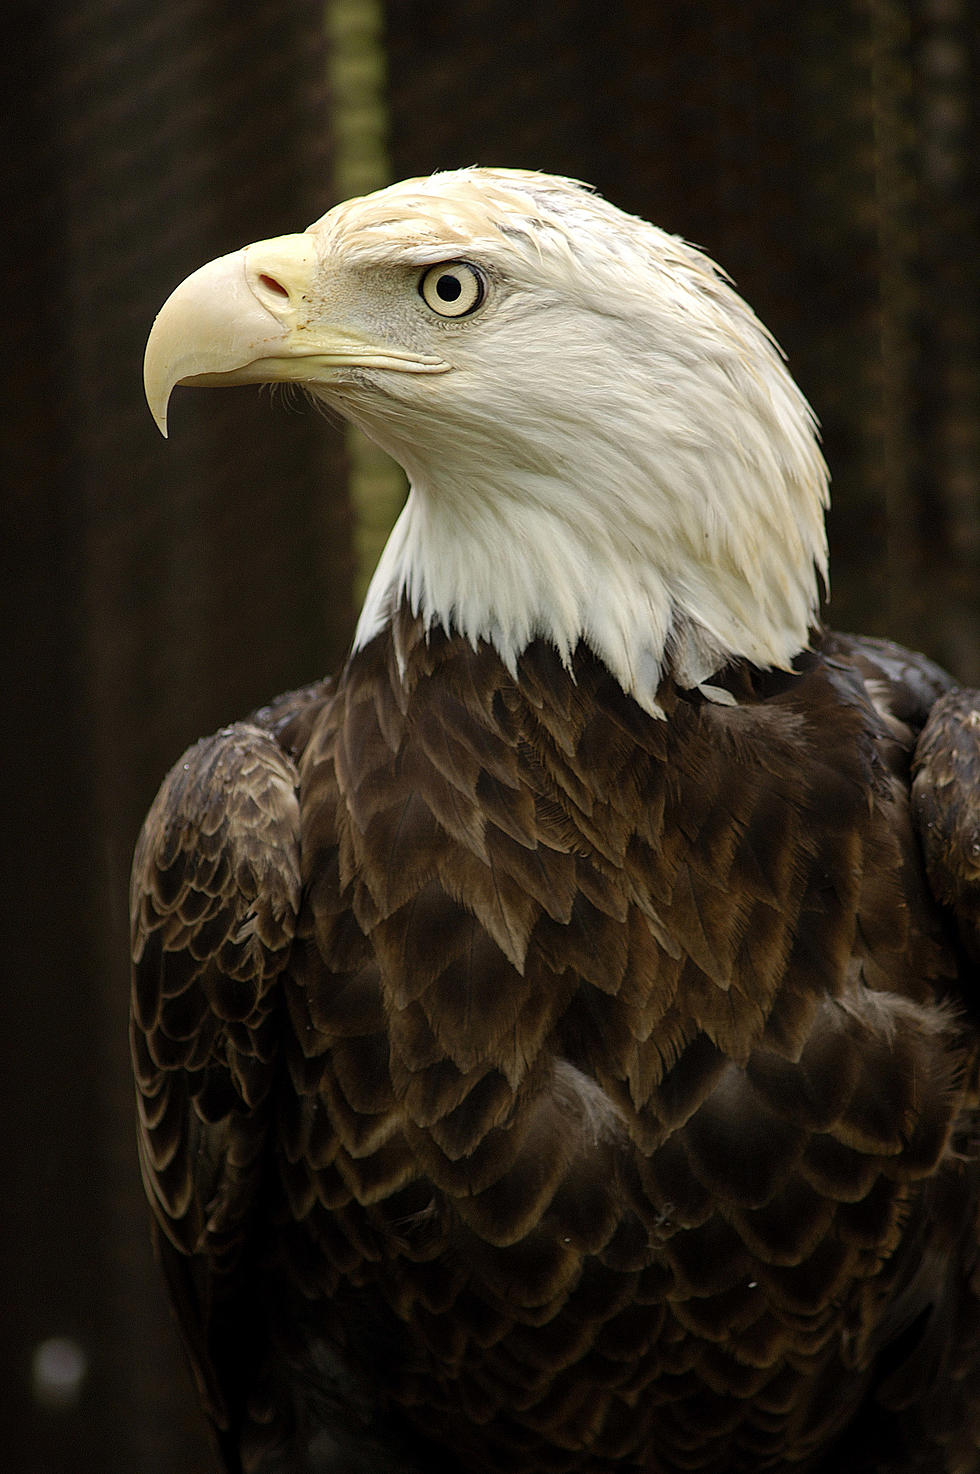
[(158, 403), (158, 381), (159, 413)]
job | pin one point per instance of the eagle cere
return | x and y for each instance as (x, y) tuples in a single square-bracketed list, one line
[(553, 1036)]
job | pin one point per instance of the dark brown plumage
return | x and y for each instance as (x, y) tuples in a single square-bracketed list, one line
[(530, 1084)]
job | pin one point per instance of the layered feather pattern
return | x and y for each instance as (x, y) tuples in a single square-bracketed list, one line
[(517, 1082)]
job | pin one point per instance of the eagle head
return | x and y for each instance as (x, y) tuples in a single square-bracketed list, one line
[(602, 441)]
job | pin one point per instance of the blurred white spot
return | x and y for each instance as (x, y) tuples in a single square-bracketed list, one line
[(58, 1371)]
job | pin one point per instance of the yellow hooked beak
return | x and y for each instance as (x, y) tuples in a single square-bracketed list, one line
[(246, 319)]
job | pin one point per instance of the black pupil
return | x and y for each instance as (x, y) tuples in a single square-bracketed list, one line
[(449, 288)]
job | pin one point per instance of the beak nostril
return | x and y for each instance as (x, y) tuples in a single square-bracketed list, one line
[(271, 285)]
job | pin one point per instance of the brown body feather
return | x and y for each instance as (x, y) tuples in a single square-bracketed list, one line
[(529, 1084)]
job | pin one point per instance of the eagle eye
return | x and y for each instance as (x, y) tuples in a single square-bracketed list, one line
[(452, 289)]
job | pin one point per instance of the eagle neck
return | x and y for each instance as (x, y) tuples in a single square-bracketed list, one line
[(509, 571)]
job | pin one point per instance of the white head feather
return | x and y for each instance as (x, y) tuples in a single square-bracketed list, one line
[(619, 454)]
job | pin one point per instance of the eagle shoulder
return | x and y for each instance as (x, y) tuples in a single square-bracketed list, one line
[(939, 723), (946, 805), (214, 895)]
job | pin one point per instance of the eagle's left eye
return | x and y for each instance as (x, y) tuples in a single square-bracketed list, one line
[(453, 288)]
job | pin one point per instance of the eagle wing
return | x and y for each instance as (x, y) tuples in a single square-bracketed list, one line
[(214, 900)]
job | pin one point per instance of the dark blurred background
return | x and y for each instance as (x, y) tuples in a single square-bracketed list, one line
[(827, 154)]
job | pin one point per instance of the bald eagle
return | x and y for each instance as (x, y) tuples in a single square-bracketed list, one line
[(555, 1036)]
